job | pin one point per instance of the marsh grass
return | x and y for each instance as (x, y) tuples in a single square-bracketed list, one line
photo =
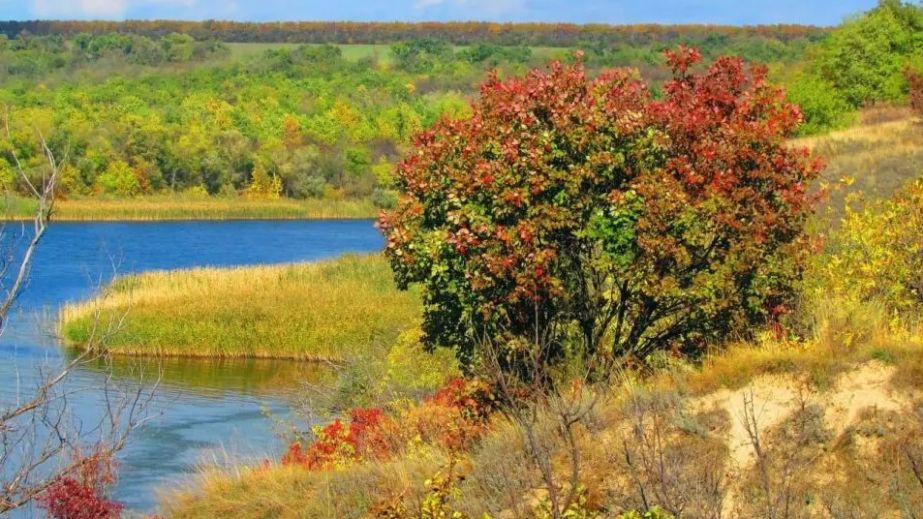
[(167, 207), (332, 310)]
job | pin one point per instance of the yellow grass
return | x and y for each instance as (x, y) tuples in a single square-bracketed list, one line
[(165, 207), (334, 310), (875, 158), (498, 474)]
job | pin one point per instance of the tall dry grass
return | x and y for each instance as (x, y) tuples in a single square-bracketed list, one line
[(332, 310), (876, 157), (166, 207)]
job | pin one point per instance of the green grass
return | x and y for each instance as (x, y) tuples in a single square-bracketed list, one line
[(241, 51), (336, 310), (166, 207), (355, 52)]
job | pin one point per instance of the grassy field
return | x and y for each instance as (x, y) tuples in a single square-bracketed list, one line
[(334, 310), (355, 52), (189, 208), (875, 157)]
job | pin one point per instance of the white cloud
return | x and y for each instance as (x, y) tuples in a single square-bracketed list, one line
[(103, 9)]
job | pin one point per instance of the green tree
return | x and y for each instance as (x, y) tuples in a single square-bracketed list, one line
[(119, 179), (866, 57), (824, 107)]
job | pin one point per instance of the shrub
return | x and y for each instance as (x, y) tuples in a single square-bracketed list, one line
[(69, 499), (79, 495), (119, 179), (263, 185), (336, 444), (823, 106), (412, 372), (915, 86), (600, 219), (454, 417), (876, 255)]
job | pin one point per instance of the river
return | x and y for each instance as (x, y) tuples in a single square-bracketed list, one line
[(202, 407)]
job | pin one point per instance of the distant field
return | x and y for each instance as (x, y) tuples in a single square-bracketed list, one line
[(165, 207), (359, 51)]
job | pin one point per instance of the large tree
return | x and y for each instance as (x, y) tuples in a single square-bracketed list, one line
[(591, 217), (865, 58)]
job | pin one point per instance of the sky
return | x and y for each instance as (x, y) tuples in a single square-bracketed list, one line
[(734, 12)]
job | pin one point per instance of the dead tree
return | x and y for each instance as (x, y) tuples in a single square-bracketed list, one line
[(546, 405), (41, 441)]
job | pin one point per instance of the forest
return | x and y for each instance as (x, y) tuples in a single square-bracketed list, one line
[(152, 108)]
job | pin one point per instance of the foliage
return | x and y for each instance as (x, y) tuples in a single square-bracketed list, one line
[(653, 513), (119, 179), (335, 444), (458, 33), (80, 497), (453, 418), (824, 107), (422, 55), (615, 223), (315, 123), (876, 255), (68, 499), (915, 85), (865, 58), (263, 185), (410, 369), (28, 56)]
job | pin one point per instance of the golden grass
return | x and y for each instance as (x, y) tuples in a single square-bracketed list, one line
[(166, 207), (281, 492), (499, 476), (333, 310), (875, 158)]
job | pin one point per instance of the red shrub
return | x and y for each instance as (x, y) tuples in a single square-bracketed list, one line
[(454, 417), (335, 443), (688, 207), (70, 499)]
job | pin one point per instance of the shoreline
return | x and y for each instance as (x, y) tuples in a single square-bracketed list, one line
[(170, 208), (248, 312)]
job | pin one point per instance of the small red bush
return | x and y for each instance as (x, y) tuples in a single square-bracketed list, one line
[(70, 499), (454, 417), (335, 443)]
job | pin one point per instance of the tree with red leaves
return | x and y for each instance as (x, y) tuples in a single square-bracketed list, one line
[(585, 216)]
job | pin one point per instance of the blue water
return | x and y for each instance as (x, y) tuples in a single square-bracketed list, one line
[(221, 408)]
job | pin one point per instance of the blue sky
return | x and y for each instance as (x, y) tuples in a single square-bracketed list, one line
[(737, 12)]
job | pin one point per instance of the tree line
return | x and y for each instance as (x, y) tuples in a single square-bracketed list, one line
[(457, 33)]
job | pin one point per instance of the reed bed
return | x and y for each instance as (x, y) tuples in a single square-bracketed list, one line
[(334, 310), (165, 207)]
